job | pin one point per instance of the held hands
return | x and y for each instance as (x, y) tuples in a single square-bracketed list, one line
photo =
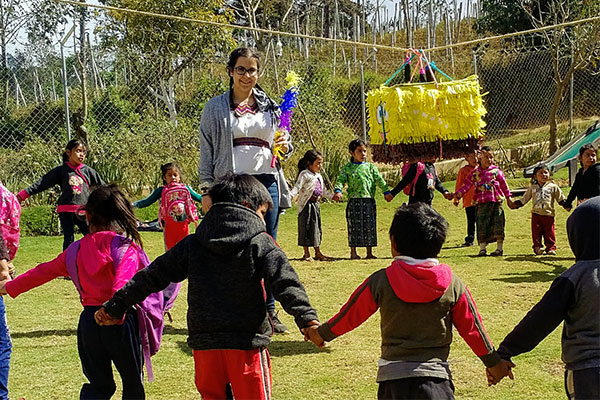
[(311, 333), (389, 197), (448, 196), (103, 319), (337, 197), (497, 372), (206, 203), (4, 276)]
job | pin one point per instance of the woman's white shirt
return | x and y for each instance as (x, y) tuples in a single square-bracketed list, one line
[(253, 160)]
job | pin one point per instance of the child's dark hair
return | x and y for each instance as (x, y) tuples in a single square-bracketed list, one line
[(538, 168), (70, 146), (309, 157), (585, 147), (486, 148), (240, 189), (108, 207), (354, 144), (166, 167), (418, 231)]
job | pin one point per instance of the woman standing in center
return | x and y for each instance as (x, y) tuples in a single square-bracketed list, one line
[(237, 134)]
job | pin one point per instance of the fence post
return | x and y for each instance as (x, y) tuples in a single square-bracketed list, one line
[(474, 62), (362, 101), (571, 101), (64, 80)]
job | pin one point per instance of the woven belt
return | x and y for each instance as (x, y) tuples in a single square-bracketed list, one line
[(250, 141)]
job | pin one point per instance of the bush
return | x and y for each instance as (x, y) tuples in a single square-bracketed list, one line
[(39, 220)]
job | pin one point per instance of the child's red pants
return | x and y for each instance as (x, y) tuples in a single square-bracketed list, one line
[(543, 226), (248, 371)]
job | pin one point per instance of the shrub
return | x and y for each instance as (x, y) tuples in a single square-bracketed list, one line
[(39, 220)]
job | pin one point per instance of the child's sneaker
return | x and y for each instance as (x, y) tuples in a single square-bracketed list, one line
[(496, 253), (278, 326), (538, 251), (551, 252), (482, 253)]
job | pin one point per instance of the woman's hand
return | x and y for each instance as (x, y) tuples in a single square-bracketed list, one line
[(284, 142)]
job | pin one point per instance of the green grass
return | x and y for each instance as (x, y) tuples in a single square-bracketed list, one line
[(43, 322)]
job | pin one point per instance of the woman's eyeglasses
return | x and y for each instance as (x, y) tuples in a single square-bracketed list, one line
[(243, 71)]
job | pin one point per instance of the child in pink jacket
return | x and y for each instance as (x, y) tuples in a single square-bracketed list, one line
[(99, 346)]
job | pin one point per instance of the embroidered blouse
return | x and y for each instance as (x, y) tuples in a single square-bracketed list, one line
[(490, 185)]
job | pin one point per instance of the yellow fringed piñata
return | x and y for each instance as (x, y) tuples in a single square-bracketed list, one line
[(423, 114)]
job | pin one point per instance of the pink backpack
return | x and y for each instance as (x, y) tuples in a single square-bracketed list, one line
[(410, 188), (176, 204), (150, 311), (10, 214)]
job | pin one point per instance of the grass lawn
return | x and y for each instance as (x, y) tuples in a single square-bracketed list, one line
[(43, 322)]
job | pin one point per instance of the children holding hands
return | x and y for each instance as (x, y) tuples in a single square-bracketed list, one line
[(310, 188), (544, 193), (225, 262), (416, 287), (490, 190), (362, 178)]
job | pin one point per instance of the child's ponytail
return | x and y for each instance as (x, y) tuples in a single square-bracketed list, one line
[(108, 207)]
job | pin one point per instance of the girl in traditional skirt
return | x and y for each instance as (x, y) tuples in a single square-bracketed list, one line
[(362, 178), (490, 190), (309, 188)]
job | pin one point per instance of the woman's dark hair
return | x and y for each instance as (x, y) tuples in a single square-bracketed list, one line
[(70, 146), (309, 157), (237, 53), (166, 167), (538, 168), (108, 207), (354, 144), (418, 231), (242, 189)]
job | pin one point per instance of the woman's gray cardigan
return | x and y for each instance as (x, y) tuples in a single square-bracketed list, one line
[(216, 142)]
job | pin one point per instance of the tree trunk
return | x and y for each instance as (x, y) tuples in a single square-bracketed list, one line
[(82, 60), (4, 78)]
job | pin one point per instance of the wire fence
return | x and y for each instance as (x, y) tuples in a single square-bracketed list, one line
[(139, 104)]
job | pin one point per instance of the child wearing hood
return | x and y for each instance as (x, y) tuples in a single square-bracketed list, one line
[(573, 297), (420, 289), (225, 262)]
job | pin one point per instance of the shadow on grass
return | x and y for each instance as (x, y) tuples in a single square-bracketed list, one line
[(289, 348), (534, 276), (362, 258), (39, 334), (183, 346), (169, 330)]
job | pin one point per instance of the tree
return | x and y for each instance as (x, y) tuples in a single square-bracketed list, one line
[(572, 48), (159, 49), (12, 19), (506, 16)]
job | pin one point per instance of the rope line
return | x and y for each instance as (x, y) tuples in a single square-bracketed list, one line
[(334, 40)]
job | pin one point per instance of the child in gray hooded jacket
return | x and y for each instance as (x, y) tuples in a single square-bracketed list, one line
[(573, 297)]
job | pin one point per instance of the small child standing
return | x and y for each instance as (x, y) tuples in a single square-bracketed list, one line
[(108, 212), (176, 209), (75, 180), (362, 178), (310, 188), (490, 190), (419, 300), (420, 181), (587, 180), (544, 193), (225, 262), (175, 214), (467, 198)]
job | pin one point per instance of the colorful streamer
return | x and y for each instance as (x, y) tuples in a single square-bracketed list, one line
[(289, 102)]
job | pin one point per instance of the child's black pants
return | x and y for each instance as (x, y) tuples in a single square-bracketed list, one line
[(420, 387), (99, 346)]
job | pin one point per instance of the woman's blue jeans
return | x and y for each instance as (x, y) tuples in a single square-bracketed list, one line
[(271, 220)]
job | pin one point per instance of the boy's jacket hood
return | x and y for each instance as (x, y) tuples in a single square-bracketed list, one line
[(227, 227), (583, 230), (419, 283)]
